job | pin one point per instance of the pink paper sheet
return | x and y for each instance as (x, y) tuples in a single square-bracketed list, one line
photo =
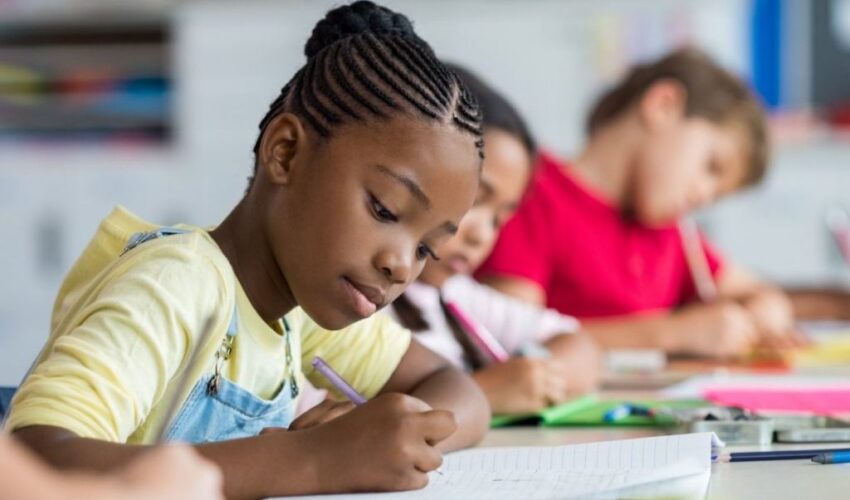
[(820, 401)]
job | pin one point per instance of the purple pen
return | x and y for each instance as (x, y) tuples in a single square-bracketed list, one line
[(338, 382)]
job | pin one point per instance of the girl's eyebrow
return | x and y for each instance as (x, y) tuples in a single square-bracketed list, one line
[(408, 183), (449, 227)]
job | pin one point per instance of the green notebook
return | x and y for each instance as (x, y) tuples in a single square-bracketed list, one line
[(590, 411)]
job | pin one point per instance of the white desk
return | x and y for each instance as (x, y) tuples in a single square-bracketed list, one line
[(785, 479)]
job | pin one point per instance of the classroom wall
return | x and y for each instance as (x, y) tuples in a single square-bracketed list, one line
[(231, 58)]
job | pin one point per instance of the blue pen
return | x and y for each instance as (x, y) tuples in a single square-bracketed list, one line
[(836, 457), (641, 411), (617, 413), (758, 456)]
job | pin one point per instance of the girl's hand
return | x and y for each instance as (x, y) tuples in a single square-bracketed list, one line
[(722, 329), (387, 444), (583, 359), (167, 472), (523, 385), (325, 411)]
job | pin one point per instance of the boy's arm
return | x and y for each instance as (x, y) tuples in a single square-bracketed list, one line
[(748, 311), (658, 330), (426, 376), (737, 282), (721, 329)]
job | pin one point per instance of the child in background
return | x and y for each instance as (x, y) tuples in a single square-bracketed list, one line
[(597, 238), (521, 384), (365, 163), (157, 475)]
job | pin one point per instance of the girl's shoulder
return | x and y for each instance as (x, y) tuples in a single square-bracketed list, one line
[(188, 256)]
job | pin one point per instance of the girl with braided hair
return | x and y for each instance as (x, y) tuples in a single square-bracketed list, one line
[(365, 164)]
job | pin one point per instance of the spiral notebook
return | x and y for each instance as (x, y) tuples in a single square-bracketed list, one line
[(666, 466)]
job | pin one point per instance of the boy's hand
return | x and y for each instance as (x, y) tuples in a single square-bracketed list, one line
[(773, 316), (387, 444), (722, 329), (167, 472), (522, 385)]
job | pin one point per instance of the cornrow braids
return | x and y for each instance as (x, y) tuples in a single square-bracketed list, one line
[(366, 62), (499, 113)]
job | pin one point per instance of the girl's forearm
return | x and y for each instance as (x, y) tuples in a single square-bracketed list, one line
[(269, 465)]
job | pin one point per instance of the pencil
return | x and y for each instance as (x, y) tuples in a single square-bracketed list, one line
[(697, 261), (338, 382)]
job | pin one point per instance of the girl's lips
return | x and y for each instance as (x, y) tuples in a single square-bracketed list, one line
[(459, 264), (364, 305)]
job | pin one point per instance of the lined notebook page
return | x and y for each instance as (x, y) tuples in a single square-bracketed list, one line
[(577, 471)]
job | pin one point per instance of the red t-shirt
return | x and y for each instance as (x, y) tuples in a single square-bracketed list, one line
[(589, 259)]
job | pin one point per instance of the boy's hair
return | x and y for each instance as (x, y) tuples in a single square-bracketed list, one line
[(498, 112), (713, 93), (365, 62)]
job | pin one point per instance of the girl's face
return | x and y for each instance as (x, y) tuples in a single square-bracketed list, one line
[(355, 217), (684, 165), (507, 168)]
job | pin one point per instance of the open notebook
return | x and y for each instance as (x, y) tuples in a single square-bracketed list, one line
[(676, 466)]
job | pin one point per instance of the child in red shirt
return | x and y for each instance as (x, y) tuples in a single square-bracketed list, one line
[(598, 238)]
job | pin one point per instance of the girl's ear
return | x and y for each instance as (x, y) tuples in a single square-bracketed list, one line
[(283, 137), (663, 104)]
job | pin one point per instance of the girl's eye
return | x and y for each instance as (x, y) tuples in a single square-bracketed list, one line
[(501, 218), (479, 198), (423, 251), (714, 168), (380, 211)]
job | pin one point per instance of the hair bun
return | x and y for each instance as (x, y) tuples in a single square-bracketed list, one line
[(359, 17)]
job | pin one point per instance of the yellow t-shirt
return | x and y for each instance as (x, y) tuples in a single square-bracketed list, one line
[(123, 329)]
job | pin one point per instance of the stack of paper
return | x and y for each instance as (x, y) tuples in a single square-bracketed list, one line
[(669, 466)]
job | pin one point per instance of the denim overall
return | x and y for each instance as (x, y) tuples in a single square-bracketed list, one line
[(216, 408)]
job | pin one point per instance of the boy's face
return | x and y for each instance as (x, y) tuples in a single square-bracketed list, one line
[(364, 210), (684, 166), (507, 168)]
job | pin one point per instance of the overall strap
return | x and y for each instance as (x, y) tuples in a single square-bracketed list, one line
[(142, 237)]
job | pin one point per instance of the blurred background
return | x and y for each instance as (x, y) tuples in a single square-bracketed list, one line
[(154, 105)]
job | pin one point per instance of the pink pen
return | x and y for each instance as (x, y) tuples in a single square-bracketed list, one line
[(478, 334)]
